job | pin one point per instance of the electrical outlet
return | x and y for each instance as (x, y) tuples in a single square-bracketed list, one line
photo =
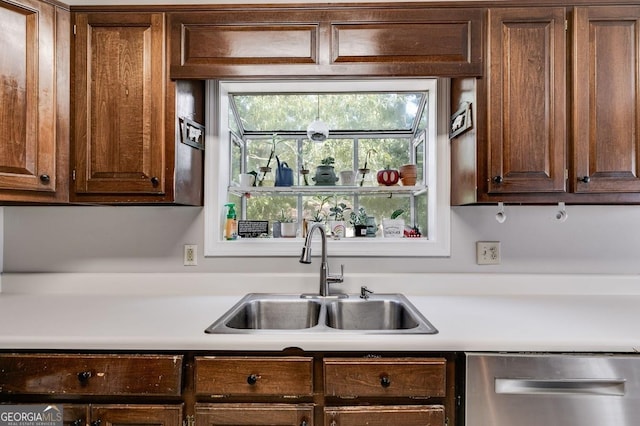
[(488, 252), (190, 255)]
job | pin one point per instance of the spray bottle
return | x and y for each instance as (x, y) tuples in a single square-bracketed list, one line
[(231, 225)]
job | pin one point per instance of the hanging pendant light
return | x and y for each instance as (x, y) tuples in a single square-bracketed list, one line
[(318, 130)]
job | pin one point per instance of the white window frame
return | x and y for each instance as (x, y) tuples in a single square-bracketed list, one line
[(217, 163)]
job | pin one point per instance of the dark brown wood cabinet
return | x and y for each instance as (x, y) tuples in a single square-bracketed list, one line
[(122, 415), (251, 414), (405, 415), (127, 144), (562, 111), (136, 382), (526, 101), (606, 100), (350, 40), (34, 94)]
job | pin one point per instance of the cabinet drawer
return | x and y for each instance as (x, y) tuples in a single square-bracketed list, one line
[(262, 376), (52, 374), (412, 415), (254, 414), (384, 377)]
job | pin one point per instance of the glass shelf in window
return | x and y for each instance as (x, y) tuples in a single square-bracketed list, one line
[(338, 189)]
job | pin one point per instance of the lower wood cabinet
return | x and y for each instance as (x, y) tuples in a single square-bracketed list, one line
[(254, 414), (122, 415), (413, 415), (233, 389)]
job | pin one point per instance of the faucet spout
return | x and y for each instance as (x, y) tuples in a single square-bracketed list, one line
[(305, 257)]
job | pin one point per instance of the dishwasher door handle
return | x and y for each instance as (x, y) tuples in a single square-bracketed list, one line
[(609, 387)]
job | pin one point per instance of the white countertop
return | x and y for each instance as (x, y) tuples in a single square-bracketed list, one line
[(465, 323)]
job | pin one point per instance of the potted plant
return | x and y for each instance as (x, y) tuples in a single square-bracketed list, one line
[(359, 221), (325, 173), (337, 224), (393, 227), (288, 226), (388, 176)]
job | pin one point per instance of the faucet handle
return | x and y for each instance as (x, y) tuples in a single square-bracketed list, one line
[(336, 278)]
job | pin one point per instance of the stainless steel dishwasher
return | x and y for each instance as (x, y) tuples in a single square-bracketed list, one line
[(552, 390)]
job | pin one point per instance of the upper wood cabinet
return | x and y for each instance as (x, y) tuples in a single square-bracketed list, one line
[(311, 41), (127, 140), (34, 98), (561, 120), (526, 101), (606, 100)]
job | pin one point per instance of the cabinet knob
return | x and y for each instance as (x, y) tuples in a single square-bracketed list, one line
[(84, 376), (304, 423), (385, 381), (96, 422), (253, 379), (584, 179), (44, 178), (77, 422), (497, 179), (155, 181)]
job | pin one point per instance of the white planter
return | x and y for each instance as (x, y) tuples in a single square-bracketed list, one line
[(338, 228), (393, 228), (289, 229)]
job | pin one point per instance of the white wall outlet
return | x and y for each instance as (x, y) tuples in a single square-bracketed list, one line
[(488, 252), (190, 255)]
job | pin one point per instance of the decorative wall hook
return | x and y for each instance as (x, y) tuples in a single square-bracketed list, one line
[(501, 216), (561, 214)]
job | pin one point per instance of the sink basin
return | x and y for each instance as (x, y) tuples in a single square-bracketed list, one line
[(271, 312), (385, 314), (380, 314)]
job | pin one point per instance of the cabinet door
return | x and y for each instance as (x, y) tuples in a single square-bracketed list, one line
[(254, 414), (418, 415), (606, 101), (526, 106), (136, 415), (119, 110), (28, 95), (75, 415)]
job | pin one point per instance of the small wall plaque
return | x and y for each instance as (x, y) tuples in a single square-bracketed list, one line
[(192, 133), (461, 121)]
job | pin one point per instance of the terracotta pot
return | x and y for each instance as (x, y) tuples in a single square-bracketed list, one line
[(408, 174)]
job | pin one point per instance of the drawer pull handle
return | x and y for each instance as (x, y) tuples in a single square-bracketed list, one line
[(84, 376), (253, 379), (77, 422), (385, 381)]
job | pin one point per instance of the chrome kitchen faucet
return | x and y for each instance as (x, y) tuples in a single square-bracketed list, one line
[(325, 277)]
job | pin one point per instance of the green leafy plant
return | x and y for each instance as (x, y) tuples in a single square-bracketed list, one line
[(328, 161), (397, 213), (317, 217), (338, 211), (285, 218), (358, 218)]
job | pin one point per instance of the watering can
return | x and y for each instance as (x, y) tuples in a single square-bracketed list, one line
[(284, 174)]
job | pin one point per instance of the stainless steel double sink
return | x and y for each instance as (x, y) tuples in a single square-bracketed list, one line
[(270, 313)]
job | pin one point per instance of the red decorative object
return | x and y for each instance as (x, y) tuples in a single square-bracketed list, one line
[(388, 177)]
